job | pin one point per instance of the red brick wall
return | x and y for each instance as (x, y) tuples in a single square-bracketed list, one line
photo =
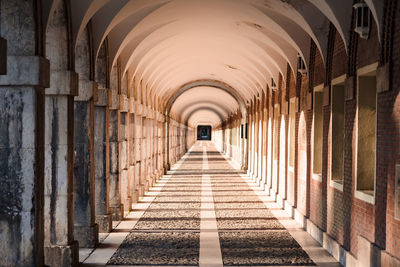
[(388, 145), (339, 59), (319, 69)]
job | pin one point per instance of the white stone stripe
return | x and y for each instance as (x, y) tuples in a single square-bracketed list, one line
[(210, 249)]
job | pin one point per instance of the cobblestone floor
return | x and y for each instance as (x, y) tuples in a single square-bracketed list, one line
[(207, 214)]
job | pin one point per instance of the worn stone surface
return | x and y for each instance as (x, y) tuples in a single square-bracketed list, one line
[(104, 223), (82, 162), (17, 183), (87, 236), (100, 159), (56, 171), (62, 255), (17, 25)]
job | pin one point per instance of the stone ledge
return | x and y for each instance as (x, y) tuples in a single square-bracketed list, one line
[(26, 71), (63, 83)]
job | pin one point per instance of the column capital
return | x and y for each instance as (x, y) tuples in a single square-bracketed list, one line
[(26, 71), (64, 82), (132, 105), (102, 97), (113, 99), (123, 104), (138, 109), (87, 89)]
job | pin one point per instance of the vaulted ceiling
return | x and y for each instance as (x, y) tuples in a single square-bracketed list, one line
[(204, 59)]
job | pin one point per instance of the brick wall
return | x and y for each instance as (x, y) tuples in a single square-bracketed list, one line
[(388, 149)]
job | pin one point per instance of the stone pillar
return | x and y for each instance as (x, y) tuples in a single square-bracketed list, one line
[(260, 140), (123, 133), (103, 217), (138, 151), (132, 151), (167, 140), (116, 208), (86, 230), (22, 156), (159, 146), (144, 138), (152, 147), (250, 141), (60, 247)]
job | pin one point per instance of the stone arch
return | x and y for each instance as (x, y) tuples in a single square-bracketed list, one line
[(211, 83)]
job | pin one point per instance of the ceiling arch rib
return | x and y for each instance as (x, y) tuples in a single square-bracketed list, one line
[(200, 112), (125, 15), (247, 64), (243, 43), (208, 83), (84, 10), (211, 104), (301, 13), (205, 116), (204, 96)]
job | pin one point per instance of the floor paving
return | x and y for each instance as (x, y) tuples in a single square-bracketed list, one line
[(205, 212)]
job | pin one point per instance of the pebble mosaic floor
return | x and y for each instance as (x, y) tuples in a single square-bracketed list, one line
[(169, 231)]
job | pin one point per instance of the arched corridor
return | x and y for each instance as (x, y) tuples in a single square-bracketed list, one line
[(106, 106)]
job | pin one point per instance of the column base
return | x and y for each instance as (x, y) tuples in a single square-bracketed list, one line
[(128, 204), (87, 236), (135, 196), (62, 255), (140, 191), (146, 186), (104, 222), (117, 213)]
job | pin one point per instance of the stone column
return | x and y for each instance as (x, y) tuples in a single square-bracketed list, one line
[(116, 208), (143, 169), (86, 230), (22, 156), (103, 216), (132, 151), (260, 141), (160, 145), (123, 133), (60, 247), (250, 141), (167, 140), (138, 150)]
